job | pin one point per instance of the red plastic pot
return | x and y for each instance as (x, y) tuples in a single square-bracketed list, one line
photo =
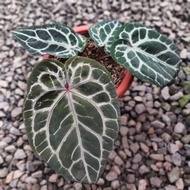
[(128, 78)]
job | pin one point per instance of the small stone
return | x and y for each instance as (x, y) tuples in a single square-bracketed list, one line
[(16, 112), (19, 154), (177, 7), (10, 148), (118, 161), (177, 96), (141, 137), (144, 169), (180, 184), (165, 93), (123, 131), (137, 158), (9, 177), (2, 144), (131, 186), (183, 54), (186, 139), (173, 148), (115, 184), (157, 124), (53, 178), (155, 181), (171, 187), (77, 186), (174, 175), (179, 127), (30, 166), (140, 88), (124, 120), (140, 108), (3, 83), (142, 184), (37, 174), (17, 174), (111, 176), (144, 147), (22, 85), (3, 172), (100, 181), (14, 131), (130, 178), (134, 147), (1, 159), (31, 180), (116, 169), (166, 137), (159, 157), (176, 158)]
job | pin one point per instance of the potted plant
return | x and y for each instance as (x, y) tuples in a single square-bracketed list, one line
[(71, 110)]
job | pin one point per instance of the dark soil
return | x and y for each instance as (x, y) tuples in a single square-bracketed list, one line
[(97, 53)]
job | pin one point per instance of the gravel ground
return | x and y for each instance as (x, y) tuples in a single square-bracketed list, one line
[(153, 148)]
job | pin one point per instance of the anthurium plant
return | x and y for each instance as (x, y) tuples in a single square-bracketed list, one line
[(71, 109)]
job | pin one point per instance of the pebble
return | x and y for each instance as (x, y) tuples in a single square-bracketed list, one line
[(130, 178), (9, 177), (142, 184), (140, 108), (180, 184), (77, 186), (173, 148), (137, 158), (176, 159), (111, 176), (37, 174), (171, 187), (165, 93), (144, 169), (174, 175), (179, 127), (53, 178), (31, 180), (118, 161), (115, 184), (156, 181), (16, 112), (177, 96), (158, 124), (158, 157), (19, 154), (1, 160), (17, 174), (3, 172)]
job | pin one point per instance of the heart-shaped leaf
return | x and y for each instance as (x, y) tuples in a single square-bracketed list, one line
[(55, 39), (103, 33), (71, 116), (147, 54)]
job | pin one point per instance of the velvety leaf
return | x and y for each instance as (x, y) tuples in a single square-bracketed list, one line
[(55, 39), (103, 33), (71, 116), (147, 54)]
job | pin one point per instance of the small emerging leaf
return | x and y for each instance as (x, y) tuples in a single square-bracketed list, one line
[(103, 33), (147, 54), (54, 39), (71, 116)]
